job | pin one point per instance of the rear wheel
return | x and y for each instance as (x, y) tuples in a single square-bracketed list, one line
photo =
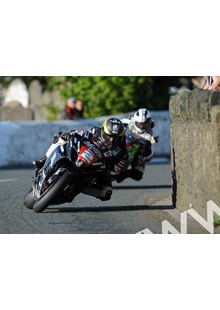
[(53, 193), (29, 199)]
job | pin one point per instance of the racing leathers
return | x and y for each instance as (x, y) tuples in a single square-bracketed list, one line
[(144, 153)]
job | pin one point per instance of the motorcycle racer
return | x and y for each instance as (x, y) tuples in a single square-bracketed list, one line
[(107, 143), (141, 124)]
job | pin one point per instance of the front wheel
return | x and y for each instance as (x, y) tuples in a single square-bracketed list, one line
[(29, 199), (53, 193)]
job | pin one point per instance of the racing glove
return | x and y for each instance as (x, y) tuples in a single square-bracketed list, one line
[(65, 136)]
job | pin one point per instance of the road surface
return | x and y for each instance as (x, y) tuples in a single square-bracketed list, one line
[(134, 207)]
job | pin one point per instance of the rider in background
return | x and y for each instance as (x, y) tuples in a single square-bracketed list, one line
[(141, 124)]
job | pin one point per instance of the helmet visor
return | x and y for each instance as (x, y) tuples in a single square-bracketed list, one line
[(102, 140), (143, 125), (110, 140), (105, 140)]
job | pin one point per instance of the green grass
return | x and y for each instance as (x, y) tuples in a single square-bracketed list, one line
[(216, 221)]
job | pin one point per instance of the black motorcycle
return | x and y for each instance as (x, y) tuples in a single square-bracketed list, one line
[(71, 169)]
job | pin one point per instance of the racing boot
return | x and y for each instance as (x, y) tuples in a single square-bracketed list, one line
[(123, 175)]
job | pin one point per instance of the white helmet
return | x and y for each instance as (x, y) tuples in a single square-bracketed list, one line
[(142, 120)]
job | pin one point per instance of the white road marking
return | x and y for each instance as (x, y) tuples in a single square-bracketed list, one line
[(7, 180)]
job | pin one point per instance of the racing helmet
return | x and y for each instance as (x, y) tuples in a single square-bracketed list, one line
[(142, 120), (114, 129)]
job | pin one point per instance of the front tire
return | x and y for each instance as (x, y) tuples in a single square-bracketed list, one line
[(55, 191), (29, 199)]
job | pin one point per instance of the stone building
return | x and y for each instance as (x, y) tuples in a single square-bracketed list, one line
[(17, 102)]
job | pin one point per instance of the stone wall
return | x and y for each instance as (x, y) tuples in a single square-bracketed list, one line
[(23, 142), (195, 149)]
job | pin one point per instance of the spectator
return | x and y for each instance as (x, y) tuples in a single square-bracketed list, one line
[(198, 82), (79, 109), (212, 83), (68, 111)]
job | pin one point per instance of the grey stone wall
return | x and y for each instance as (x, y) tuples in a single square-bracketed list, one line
[(23, 142), (195, 149)]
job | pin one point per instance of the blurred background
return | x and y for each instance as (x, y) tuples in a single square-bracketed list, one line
[(43, 98)]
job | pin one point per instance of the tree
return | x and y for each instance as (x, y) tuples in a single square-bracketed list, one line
[(104, 95)]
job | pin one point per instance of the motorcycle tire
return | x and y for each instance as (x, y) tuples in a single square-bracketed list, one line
[(29, 199), (56, 190)]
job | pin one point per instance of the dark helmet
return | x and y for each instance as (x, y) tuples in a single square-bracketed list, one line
[(113, 127), (101, 140)]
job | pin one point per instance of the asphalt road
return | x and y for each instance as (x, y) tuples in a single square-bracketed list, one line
[(134, 206)]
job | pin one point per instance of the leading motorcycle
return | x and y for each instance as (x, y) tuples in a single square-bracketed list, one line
[(73, 168)]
